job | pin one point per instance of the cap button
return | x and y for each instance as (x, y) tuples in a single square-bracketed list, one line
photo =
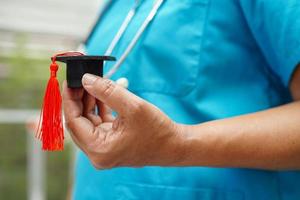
[(123, 82)]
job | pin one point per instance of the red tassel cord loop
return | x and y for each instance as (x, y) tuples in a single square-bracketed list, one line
[(53, 69), (70, 53), (50, 129)]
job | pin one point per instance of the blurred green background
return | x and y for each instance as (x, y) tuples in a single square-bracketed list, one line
[(22, 87), (31, 31)]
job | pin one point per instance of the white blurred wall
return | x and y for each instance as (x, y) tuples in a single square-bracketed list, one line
[(49, 25)]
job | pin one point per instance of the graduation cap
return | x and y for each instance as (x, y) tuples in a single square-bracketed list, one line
[(50, 129), (77, 66)]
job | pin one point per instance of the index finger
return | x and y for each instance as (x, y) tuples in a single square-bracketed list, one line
[(111, 94), (81, 128)]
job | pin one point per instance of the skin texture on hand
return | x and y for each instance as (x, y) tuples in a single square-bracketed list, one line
[(140, 134)]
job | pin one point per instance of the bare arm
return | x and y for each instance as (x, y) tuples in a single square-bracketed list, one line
[(269, 139), (142, 135)]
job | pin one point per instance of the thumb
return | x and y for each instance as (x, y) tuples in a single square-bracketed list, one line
[(111, 94)]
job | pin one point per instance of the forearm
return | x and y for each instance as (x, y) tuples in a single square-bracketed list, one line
[(269, 139)]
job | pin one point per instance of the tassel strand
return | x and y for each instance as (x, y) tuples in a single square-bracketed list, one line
[(50, 129)]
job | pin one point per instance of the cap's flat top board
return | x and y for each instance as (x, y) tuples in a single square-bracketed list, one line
[(84, 58)]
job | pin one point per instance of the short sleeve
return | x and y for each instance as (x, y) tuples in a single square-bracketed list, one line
[(275, 25)]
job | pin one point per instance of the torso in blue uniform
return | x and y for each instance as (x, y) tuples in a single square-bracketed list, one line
[(201, 60)]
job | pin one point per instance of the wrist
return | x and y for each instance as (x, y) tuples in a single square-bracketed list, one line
[(193, 145), (177, 145)]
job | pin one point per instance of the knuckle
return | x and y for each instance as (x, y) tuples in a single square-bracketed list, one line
[(104, 163), (101, 161), (96, 164), (139, 107), (107, 87), (70, 124), (95, 161), (108, 165)]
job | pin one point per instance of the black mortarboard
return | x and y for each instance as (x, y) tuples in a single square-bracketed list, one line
[(77, 66), (50, 130)]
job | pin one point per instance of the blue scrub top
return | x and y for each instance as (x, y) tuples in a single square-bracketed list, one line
[(201, 60)]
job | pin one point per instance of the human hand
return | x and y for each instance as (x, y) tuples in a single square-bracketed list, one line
[(140, 135)]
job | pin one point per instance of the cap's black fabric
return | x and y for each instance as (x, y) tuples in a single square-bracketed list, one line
[(77, 66)]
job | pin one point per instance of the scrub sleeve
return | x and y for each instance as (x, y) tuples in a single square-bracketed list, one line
[(275, 26)]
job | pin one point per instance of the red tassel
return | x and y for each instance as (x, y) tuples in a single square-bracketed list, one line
[(50, 129), (51, 132)]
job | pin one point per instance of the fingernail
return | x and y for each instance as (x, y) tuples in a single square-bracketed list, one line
[(88, 79)]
